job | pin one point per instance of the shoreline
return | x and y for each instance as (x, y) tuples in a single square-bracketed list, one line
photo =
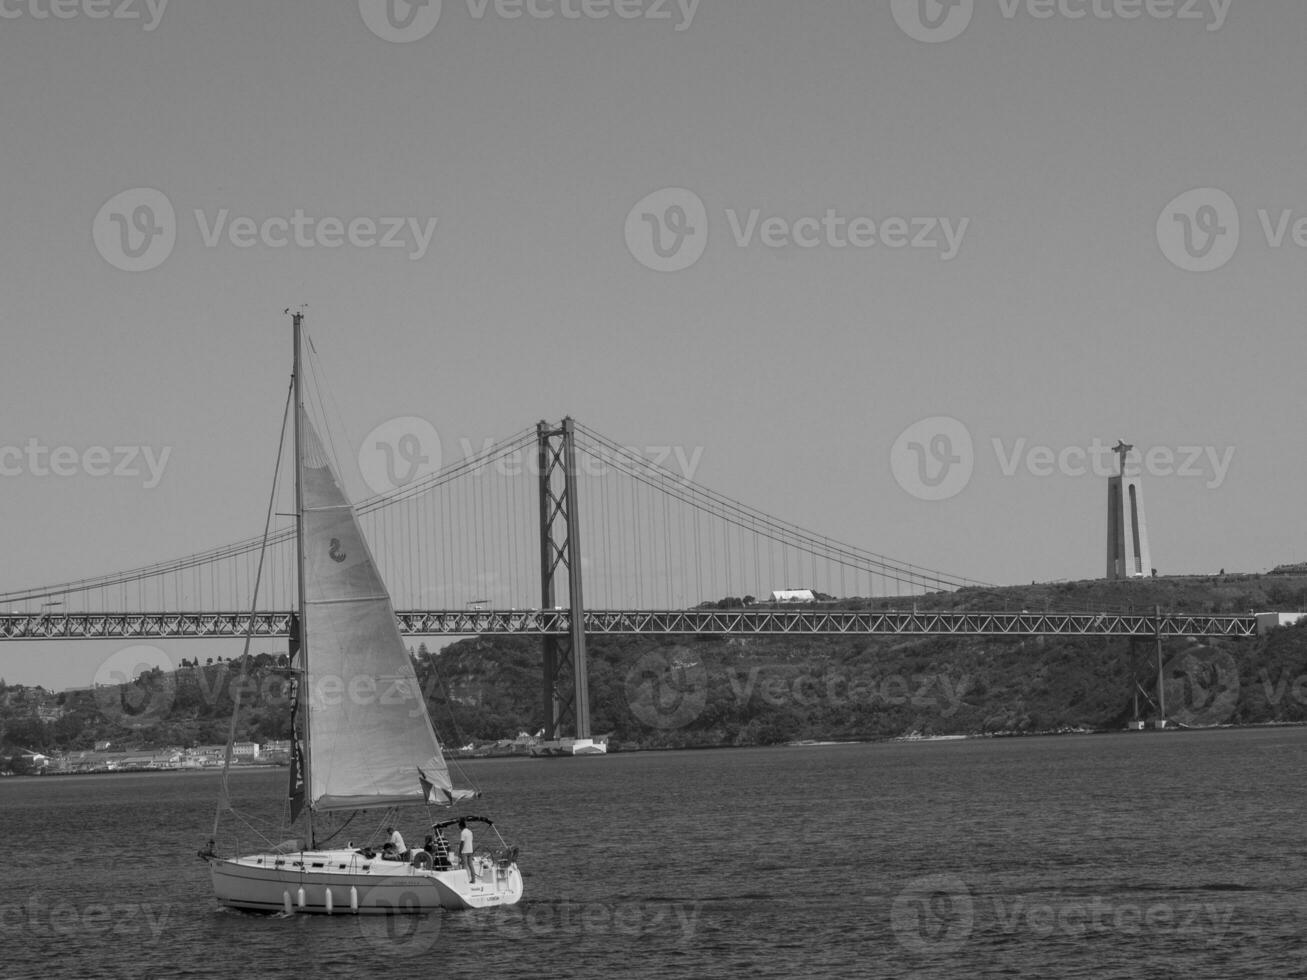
[(798, 744)]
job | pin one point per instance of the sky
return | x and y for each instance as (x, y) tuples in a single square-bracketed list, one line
[(901, 271)]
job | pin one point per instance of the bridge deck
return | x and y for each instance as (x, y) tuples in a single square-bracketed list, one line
[(734, 622)]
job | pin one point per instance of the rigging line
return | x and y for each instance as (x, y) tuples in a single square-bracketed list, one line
[(453, 722), (324, 397), (249, 633)]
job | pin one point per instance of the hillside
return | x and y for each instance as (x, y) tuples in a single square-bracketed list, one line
[(662, 692)]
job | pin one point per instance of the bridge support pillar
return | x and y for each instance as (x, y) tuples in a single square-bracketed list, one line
[(566, 693)]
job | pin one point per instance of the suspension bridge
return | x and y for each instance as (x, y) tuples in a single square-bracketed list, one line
[(559, 532)]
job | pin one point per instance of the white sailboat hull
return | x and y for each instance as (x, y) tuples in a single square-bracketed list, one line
[(343, 882)]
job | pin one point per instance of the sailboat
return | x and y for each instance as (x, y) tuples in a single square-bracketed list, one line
[(363, 737)]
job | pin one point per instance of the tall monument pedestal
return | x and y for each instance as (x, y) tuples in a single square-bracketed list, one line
[(1127, 531)]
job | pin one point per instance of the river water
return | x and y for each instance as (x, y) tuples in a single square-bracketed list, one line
[(1134, 855)]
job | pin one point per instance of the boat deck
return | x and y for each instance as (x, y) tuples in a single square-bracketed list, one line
[(346, 882)]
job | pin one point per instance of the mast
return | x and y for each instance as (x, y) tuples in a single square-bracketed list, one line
[(297, 323)]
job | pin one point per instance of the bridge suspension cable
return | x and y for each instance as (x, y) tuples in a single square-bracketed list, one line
[(745, 532)]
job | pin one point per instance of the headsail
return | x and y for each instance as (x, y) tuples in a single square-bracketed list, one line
[(370, 739)]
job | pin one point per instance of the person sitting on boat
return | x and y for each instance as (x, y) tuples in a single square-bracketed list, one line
[(396, 844), (465, 848)]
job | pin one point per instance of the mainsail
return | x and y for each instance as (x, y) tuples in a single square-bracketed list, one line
[(370, 741)]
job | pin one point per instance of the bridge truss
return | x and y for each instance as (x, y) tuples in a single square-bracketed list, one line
[(667, 622)]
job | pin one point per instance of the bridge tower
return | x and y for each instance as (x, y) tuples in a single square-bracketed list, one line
[(566, 692), (1127, 532)]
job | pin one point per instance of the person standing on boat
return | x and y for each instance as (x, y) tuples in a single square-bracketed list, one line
[(465, 848), (396, 841)]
